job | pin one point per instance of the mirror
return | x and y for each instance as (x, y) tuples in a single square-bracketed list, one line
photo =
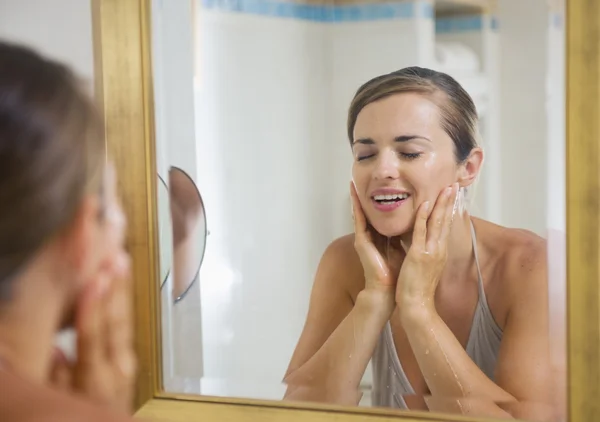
[(189, 231), (182, 219), (252, 98)]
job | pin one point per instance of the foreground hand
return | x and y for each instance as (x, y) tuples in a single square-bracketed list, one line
[(381, 259), (426, 257), (105, 368)]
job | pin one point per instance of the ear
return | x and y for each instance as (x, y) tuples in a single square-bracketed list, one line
[(469, 170)]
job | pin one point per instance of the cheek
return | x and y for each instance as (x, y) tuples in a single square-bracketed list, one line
[(360, 177), (430, 176), (115, 223)]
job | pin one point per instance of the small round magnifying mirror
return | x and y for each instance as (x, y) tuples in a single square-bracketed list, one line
[(188, 219)]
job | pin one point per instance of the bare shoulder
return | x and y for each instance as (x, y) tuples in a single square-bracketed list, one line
[(518, 258), (342, 265), (525, 261), (17, 395)]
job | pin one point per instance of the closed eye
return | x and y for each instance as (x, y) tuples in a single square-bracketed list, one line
[(364, 157), (410, 155)]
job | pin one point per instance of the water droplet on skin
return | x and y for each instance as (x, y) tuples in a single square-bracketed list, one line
[(427, 351), (448, 362)]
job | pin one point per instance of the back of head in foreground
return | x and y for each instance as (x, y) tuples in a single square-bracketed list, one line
[(62, 257)]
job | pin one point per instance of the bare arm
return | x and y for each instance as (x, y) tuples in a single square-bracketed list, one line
[(523, 368), (339, 336), (523, 383)]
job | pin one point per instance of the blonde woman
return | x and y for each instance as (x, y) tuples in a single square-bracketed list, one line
[(452, 310)]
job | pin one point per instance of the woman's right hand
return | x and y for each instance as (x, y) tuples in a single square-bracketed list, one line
[(381, 258)]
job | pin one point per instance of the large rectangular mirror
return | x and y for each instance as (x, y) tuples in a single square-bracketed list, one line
[(290, 152), (264, 113)]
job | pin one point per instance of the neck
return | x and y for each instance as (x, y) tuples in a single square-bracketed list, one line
[(460, 245), (29, 321)]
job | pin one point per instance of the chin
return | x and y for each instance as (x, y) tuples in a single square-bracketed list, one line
[(389, 229)]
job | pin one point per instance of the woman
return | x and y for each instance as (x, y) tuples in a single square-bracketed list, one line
[(62, 257), (451, 309)]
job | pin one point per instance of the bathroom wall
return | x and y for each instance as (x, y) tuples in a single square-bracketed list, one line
[(262, 157), (524, 145), (61, 29)]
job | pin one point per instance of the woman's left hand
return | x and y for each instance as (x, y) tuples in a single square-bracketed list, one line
[(426, 257), (105, 368)]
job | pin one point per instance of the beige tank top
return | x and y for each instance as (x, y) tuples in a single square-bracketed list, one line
[(390, 383)]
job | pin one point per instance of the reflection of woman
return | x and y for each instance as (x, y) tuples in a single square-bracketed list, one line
[(186, 214), (62, 257), (462, 315)]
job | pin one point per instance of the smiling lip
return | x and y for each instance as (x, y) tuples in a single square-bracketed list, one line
[(395, 198)]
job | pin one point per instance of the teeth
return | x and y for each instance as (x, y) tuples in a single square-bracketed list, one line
[(393, 197)]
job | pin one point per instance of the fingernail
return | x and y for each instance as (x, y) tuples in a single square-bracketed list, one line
[(426, 205), (449, 190)]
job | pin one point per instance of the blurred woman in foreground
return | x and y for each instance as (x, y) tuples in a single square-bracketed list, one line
[(62, 257)]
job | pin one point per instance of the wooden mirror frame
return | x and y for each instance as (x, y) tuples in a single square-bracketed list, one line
[(124, 93)]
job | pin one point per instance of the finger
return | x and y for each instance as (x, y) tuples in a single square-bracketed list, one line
[(449, 216), (360, 221), (438, 214), (119, 328), (420, 228), (91, 349)]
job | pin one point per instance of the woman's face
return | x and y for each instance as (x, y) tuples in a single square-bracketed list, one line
[(96, 244), (402, 157)]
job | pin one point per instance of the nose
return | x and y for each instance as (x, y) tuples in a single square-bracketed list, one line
[(387, 166)]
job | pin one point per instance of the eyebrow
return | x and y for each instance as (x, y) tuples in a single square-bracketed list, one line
[(403, 138)]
